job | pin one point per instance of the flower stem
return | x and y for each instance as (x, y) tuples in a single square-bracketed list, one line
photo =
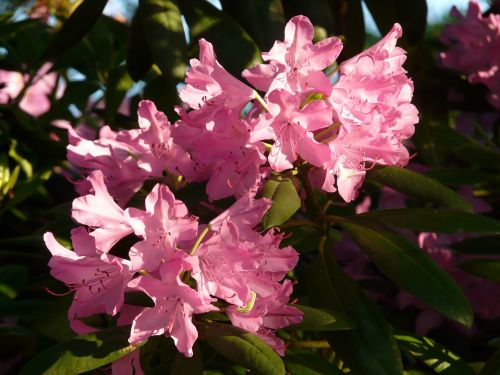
[(318, 344)]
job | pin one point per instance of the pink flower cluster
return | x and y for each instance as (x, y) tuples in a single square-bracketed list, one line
[(184, 267), (35, 99), (232, 138), (473, 43)]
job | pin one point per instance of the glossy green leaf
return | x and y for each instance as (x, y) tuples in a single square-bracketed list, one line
[(163, 93), (368, 349), (162, 26), (309, 363), (286, 202), (440, 359), (10, 28), (119, 82), (322, 320), (430, 220), (22, 162), (485, 268), (418, 186), (83, 353), (465, 148), (182, 365), (411, 269), (235, 49), (492, 366), (478, 245), (243, 349), (139, 58), (461, 176), (75, 28), (264, 20), (4, 172), (26, 189), (11, 183)]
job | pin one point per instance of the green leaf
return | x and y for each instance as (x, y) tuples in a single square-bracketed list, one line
[(264, 20), (138, 58), (492, 367), (11, 28), (465, 148), (440, 359), (430, 220), (4, 172), (461, 176), (308, 363), (235, 49), (118, 84), (485, 268), (286, 202), (368, 349), (75, 28), (322, 320), (162, 26), (12, 180), (411, 269), (23, 163), (182, 365), (26, 189), (478, 245), (418, 186), (243, 349), (160, 90), (83, 353)]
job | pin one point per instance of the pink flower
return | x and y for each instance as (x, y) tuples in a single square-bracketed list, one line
[(209, 84), (217, 141), (268, 313), (175, 304), (100, 211), (245, 214), (128, 157), (474, 48), (375, 116), (165, 226), (159, 151), (291, 127), (98, 279), (296, 64), (35, 100), (115, 154)]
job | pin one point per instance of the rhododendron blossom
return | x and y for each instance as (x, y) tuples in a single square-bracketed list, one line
[(473, 43), (340, 128), (228, 259), (35, 98)]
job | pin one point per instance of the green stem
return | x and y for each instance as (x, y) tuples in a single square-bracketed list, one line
[(318, 344), (298, 223)]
